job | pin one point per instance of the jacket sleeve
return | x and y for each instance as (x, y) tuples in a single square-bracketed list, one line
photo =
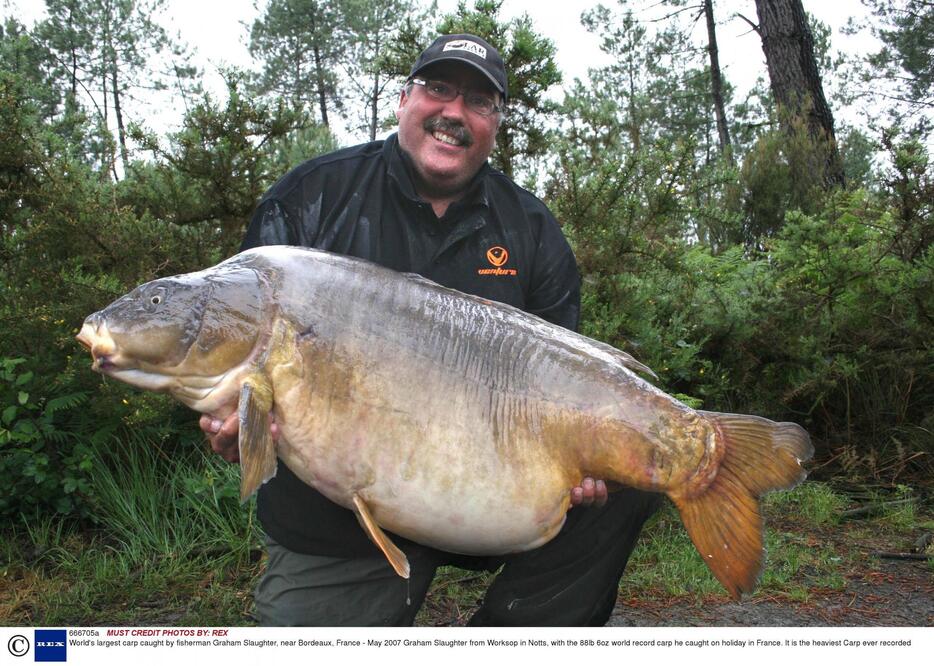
[(554, 290)]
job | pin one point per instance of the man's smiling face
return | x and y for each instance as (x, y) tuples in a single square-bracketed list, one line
[(448, 143)]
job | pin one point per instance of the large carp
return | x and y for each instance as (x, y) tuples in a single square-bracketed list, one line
[(448, 419)]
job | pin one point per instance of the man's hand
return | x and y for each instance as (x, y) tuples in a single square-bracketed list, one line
[(224, 436), (589, 493)]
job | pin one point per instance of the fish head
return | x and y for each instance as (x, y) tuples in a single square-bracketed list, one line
[(179, 334)]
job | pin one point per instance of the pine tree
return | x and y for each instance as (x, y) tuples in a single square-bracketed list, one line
[(301, 44), (788, 44), (372, 26), (106, 54)]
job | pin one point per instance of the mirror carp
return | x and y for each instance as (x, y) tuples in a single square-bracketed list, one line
[(454, 421)]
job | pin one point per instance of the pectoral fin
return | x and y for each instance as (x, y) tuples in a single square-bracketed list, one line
[(396, 557), (257, 448)]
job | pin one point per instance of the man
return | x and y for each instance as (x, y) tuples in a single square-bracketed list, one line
[(426, 201)]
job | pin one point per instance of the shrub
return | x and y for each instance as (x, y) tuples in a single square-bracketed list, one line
[(44, 460)]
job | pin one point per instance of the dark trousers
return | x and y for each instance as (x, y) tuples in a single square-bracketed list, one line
[(570, 581)]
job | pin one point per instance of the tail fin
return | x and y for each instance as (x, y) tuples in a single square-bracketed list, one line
[(723, 520)]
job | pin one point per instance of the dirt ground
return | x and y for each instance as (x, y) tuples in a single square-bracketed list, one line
[(883, 593), (895, 593), (876, 591), (867, 590)]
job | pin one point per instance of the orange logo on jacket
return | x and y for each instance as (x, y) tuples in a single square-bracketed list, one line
[(497, 255)]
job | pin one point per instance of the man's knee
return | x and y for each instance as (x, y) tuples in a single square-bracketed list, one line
[(573, 580), (310, 590)]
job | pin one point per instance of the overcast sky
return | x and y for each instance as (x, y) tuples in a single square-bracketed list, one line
[(218, 32)]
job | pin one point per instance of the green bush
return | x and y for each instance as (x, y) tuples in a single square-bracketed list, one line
[(826, 324), (72, 240), (44, 459)]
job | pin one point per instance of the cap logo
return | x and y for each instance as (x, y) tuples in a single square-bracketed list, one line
[(466, 45)]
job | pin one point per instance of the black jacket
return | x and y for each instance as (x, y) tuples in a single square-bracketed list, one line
[(499, 242)]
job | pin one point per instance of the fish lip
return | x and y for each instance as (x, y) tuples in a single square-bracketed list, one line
[(105, 366), (83, 341), (102, 365), (86, 336), (106, 357)]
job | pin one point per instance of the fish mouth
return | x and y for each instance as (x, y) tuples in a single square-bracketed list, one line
[(110, 362), (95, 337), (86, 337)]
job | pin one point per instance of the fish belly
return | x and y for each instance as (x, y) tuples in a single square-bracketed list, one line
[(428, 457)]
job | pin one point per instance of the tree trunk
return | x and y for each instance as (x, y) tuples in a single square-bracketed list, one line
[(322, 93), (505, 151), (118, 113), (635, 134), (108, 159), (374, 101), (74, 73), (799, 95), (73, 52), (374, 107), (716, 85), (298, 96), (107, 46)]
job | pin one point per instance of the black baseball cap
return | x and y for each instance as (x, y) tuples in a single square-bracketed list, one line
[(469, 49)]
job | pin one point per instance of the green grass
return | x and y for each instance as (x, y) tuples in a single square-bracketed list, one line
[(89, 582), (903, 515), (155, 504), (453, 596), (666, 563), (173, 546), (814, 503)]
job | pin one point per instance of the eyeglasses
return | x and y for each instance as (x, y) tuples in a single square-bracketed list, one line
[(481, 103)]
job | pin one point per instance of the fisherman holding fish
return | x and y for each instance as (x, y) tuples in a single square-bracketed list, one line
[(457, 420), (426, 201)]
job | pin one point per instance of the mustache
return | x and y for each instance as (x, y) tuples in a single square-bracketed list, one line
[(451, 127)]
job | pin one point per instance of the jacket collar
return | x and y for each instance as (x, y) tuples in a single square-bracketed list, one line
[(400, 169)]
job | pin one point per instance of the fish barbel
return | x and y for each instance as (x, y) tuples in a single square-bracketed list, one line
[(453, 421)]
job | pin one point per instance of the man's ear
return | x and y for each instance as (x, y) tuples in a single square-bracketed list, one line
[(403, 98)]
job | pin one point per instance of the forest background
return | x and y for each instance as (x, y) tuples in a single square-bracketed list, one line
[(760, 257)]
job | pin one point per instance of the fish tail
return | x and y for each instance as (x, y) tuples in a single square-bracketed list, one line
[(723, 518)]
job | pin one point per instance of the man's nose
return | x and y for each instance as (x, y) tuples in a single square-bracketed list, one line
[(456, 108)]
